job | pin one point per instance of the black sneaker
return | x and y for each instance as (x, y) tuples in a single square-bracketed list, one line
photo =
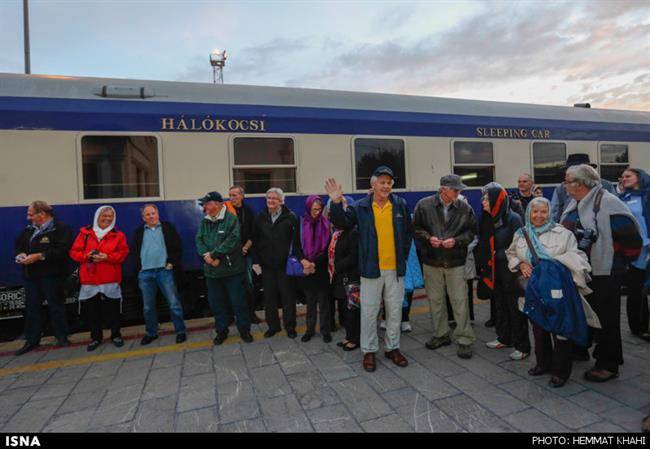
[(305, 338), (489, 323), (180, 338), (93, 345), (292, 333), (270, 333), (437, 342), (220, 338), (148, 339), (118, 342), (246, 337), (26, 348), (464, 351)]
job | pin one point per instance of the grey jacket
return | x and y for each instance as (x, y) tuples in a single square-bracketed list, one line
[(429, 220), (561, 199)]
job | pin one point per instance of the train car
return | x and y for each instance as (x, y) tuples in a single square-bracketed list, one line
[(78, 143)]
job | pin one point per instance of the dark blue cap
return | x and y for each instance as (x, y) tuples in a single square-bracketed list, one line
[(383, 170), (211, 196)]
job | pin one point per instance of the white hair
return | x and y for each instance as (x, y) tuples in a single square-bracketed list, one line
[(373, 180), (585, 175), (278, 191)]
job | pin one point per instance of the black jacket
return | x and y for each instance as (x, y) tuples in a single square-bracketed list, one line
[(346, 261), (503, 235), (54, 243), (271, 241), (429, 220), (246, 219), (173, 245)]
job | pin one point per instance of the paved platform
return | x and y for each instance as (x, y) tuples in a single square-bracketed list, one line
[(283, 385)]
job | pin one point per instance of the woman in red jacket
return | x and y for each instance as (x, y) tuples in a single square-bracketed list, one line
[(100, 250)]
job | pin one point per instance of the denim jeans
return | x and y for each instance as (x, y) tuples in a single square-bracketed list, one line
[(49, 288), (222, 290), (149, 282)]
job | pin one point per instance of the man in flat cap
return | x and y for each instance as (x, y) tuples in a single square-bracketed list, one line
[(444, 227), (218, 243), (385, 232)]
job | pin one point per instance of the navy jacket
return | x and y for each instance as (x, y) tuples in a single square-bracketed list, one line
[(553, 302), (361, 216)]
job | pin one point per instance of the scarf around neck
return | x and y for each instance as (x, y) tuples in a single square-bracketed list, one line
[(534, 232), (498, 200)]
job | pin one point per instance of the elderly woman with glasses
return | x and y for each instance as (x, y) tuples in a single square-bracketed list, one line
[(548, 240)]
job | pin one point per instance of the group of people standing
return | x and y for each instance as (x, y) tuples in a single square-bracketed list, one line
[(46, 248), (368, 256)]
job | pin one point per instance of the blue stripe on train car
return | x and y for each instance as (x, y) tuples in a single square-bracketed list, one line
[(117, 115), (185, 215)]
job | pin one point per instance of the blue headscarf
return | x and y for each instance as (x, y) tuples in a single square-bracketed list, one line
[(534, 232)]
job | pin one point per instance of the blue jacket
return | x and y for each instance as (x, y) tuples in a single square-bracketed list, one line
[(413, 278), (553, 302), (362, 216)]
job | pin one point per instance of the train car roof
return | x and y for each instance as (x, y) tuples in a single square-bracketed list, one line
[(68, 87)]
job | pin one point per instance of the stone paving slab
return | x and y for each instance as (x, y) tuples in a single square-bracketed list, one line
[(333, 419), (284, 385), (202, 420)]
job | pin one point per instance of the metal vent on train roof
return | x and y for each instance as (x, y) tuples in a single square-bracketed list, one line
[(124, 92)]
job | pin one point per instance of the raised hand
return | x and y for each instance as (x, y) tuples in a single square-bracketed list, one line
[(334, 190)]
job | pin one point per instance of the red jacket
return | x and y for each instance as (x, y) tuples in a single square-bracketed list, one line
[(105, 272)]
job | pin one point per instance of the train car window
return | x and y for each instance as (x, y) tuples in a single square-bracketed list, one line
[(614, 159), (371, 153), (548, 159), (120, 167), (264, 162), (474, 162)]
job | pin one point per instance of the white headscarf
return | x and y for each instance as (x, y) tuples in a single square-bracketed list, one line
[(99, 232)]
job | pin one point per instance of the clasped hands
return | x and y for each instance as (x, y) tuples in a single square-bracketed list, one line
[(210, 261), (437, 243), (24, 259)]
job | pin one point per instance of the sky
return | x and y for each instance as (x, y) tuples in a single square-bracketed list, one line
[(544, 52)]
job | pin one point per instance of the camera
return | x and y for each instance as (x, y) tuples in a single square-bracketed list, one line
[(92, 254), (586, 238)]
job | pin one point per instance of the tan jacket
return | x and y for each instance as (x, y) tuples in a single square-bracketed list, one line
[(561, 244)]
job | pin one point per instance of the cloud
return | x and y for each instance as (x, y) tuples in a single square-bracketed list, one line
[(635, 95), (584, 42)]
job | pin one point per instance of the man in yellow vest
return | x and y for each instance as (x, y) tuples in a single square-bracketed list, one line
[(385, 233)]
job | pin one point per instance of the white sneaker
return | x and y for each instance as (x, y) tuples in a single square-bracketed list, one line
[(518, 355), (496, 344), (406, 327), (382, 325)]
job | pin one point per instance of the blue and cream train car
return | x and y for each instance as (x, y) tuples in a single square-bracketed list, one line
[(82, 142)]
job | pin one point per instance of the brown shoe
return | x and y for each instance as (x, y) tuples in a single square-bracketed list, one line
[(397, 358), (369, 362)]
